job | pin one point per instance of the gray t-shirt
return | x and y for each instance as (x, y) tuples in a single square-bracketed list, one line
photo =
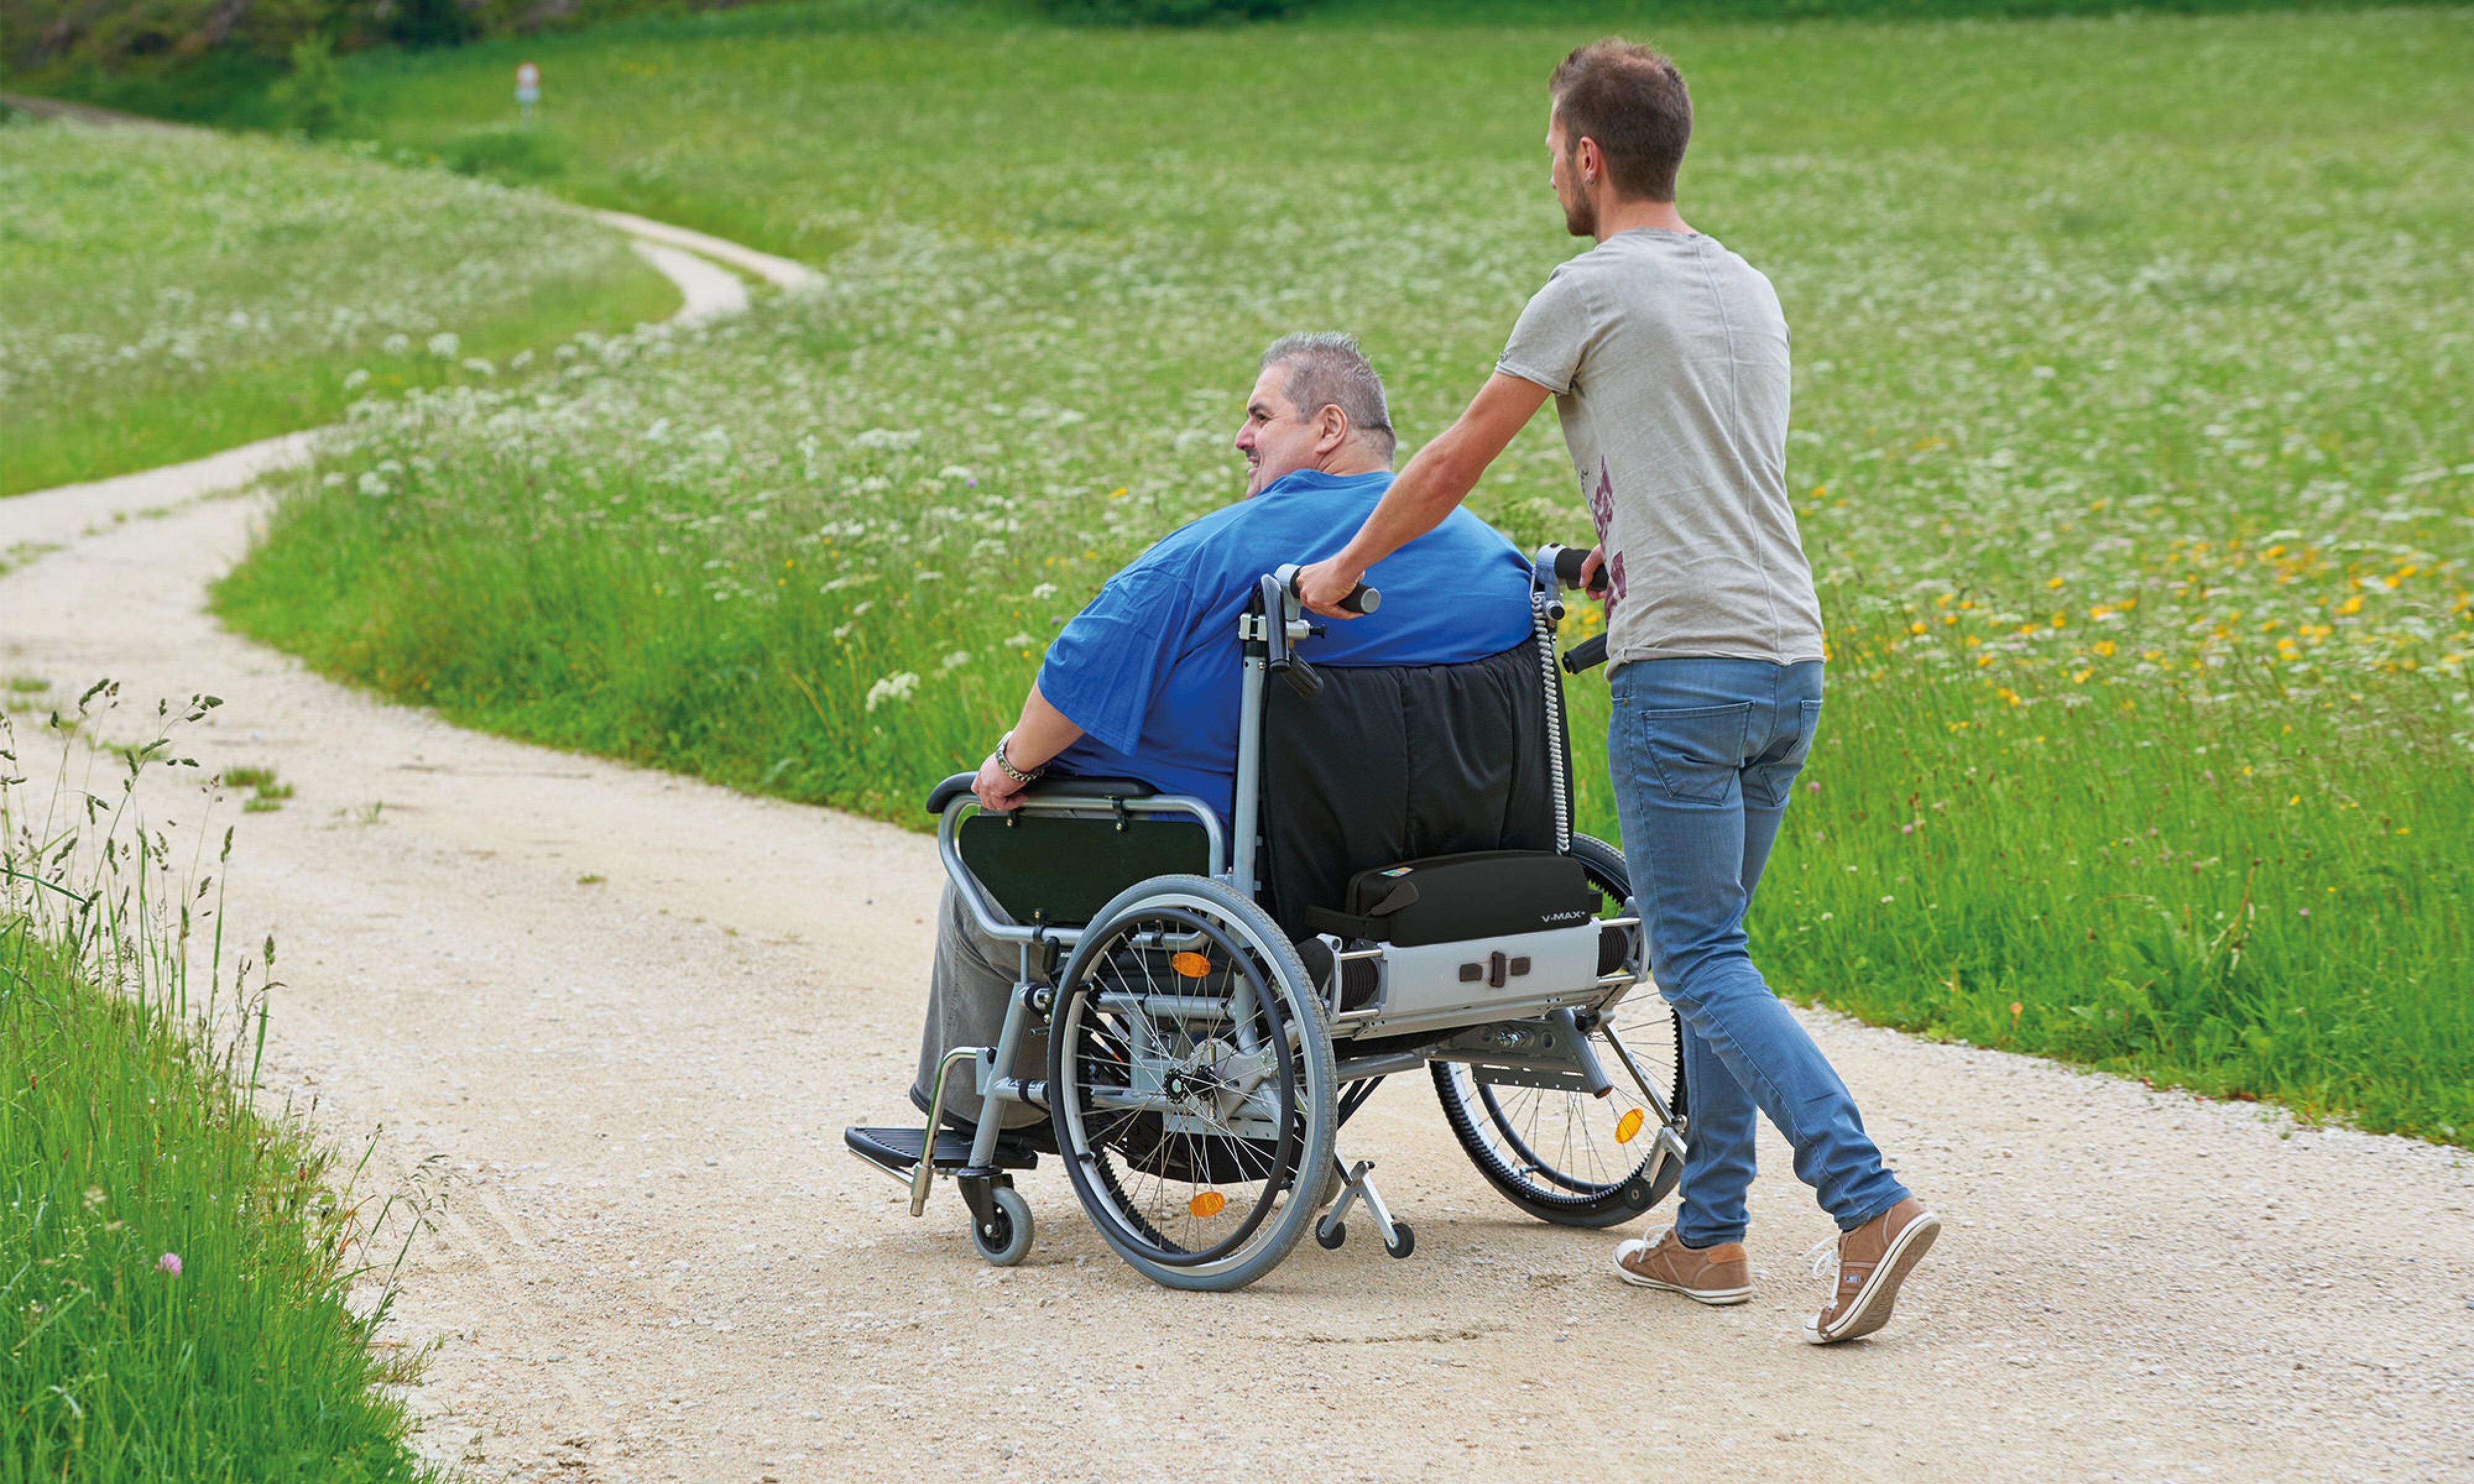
[(1667, 355)]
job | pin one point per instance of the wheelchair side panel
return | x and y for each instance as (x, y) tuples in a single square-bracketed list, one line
[(1486, 979)]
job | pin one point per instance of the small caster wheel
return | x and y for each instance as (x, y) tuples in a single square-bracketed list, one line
[(1403, 1240), (1003, 1240), (1331, 1235)]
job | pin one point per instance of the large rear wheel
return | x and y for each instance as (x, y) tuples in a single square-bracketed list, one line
[(1562, 1156), (1191, 1082)]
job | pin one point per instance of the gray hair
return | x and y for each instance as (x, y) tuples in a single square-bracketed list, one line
[(1328, 369)]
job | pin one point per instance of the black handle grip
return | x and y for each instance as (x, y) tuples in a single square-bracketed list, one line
[(1587, 655), (1303, 679), (1569, 562), (1361, 598)]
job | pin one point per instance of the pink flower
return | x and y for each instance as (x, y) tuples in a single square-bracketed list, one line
[(1812, 788), (169, 1263), (2306, 912)]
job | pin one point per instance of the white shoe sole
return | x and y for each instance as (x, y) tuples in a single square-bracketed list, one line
[(1881, 1289), (1716, 1298)]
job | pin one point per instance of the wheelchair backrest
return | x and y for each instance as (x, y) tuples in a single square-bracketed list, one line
[(1394, 763)]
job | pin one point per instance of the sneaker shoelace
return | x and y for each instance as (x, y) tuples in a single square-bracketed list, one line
[(1823, 1255)]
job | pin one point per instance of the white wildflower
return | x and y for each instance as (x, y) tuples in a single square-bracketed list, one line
[(954, 660), (445, 344), (893, 688)]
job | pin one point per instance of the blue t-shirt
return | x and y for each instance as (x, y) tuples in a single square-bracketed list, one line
[(1150, 669)]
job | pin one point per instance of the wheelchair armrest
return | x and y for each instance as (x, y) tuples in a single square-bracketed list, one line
[(1061, 786), (947, 791)]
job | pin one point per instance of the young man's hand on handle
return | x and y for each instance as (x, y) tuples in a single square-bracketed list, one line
[(1438, 479)]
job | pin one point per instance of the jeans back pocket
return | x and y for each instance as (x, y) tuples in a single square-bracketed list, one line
[(1697, 750), (1770, 777)]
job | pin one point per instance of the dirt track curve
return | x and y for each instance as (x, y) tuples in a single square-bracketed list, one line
[(654, 1260)]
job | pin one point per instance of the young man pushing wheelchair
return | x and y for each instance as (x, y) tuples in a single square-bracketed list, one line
[(1667, 357)]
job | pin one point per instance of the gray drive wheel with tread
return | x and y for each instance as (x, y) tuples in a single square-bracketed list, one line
[(1563, 1157), (1190, 1081)]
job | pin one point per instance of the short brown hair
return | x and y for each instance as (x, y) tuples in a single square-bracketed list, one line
[(1632, 101)]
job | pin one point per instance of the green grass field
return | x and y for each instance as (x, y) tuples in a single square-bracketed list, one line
[(181, 1286), (174, 294), (2133, 440)]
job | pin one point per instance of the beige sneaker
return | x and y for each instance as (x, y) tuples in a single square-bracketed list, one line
[(1873, 1260), (1717, 1274)]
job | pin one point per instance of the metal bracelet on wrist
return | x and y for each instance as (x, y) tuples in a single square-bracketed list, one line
[(1004, 764)]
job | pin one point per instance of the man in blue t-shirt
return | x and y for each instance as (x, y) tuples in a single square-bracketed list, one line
[(1144, 683)]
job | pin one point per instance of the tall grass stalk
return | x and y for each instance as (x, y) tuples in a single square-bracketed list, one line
[(184, 1290)]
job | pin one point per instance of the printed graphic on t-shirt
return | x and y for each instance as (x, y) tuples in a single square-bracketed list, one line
[(1602, 515)]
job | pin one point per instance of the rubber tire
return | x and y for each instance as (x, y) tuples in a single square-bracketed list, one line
[(1320, 1093), (1331, 1244), (1408, 1240), (1012, 1243), (1621, 1203)]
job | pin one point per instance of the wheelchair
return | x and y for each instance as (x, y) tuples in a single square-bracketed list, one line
[(1400, 889)]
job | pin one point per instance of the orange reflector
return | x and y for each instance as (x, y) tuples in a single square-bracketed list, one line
[(1192, 966), (1209, 1203), (1627, 1126)]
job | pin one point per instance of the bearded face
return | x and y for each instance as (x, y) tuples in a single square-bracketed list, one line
[(1563, 174)]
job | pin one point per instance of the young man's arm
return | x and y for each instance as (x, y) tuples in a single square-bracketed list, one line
[(1438, 478)]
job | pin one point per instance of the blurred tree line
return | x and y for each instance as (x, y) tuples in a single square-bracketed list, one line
[(117, 34), (53, 39)]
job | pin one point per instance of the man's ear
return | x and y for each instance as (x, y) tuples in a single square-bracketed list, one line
[(1331, 428)]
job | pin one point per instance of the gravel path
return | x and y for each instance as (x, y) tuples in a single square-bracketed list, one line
[(617, 1020), (655, 1262)]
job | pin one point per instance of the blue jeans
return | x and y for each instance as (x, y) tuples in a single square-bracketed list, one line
[(1704, 755)]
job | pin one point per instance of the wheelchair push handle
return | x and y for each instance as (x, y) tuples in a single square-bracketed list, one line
[(1568, 562), (1586, 655), (1361, 598)]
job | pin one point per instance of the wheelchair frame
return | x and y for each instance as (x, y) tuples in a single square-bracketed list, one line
[(1538, 1040)]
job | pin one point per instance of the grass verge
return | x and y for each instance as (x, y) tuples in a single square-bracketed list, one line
[(174, 294), (2122, 433), (178, 1265)]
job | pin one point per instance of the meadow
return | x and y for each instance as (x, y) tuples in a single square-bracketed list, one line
[(174, 293), (2133, 447), (184, 1290)]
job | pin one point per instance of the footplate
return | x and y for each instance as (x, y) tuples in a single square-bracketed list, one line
[(896, 1151)]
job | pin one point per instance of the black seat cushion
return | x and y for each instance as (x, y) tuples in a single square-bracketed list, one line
[(1396, 763)]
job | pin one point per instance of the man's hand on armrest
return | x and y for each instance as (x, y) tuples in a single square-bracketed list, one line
[(1438, 479), (1043, 732)]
